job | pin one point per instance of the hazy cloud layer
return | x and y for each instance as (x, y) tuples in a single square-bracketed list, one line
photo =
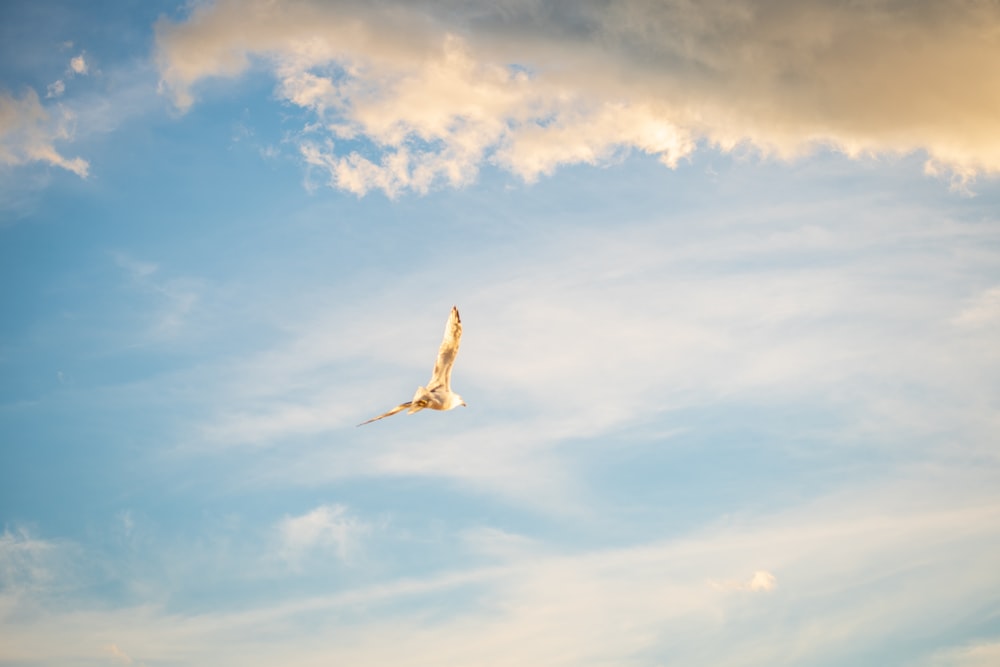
[(907, 572), (439, 88), (985, 654), (874, 326)]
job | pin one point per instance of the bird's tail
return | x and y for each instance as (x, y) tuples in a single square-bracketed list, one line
[(396, 409)]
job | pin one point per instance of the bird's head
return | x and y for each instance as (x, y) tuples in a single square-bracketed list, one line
[(456, 401)]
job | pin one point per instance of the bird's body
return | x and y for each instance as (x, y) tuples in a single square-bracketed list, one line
[(437, 395)]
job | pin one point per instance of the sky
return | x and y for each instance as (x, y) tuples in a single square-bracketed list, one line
[(729, 275)]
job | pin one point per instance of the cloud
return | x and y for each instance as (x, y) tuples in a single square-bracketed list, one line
[(779, 311), (270, 421), (983, 654), (496, 543), (853, 582), (762, 580), (78, 65), (437, 89), (55, 89), (24, 559), (28, 133), (325, 528), (117, 654), (981, 311), (175, 300), (137, 269)]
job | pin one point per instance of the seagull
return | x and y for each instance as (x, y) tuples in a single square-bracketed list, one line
[(437, 395)]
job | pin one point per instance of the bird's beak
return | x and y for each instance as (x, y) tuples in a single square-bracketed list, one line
[(464, 405)]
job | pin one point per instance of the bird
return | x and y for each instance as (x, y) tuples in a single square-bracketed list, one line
[(437, 395)]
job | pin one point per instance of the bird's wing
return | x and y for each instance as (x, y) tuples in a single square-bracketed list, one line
[(441, 377), (396, 409)]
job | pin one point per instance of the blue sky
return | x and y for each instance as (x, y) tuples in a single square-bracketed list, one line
[(729, 276)]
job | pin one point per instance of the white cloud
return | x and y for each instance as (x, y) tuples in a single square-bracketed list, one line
[(438, 89), (262, 422), (175, 299), (137, 269), (24, 559), (28, 133), (325, 528), (117, 654), (982, 310), (762, 580), (55, 89), (437, 118), (852, 580), (493, 542), (680, 313), (78, 65), (983, 654)]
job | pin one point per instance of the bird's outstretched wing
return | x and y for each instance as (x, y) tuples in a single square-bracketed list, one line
[(441, 377), (398, 408)]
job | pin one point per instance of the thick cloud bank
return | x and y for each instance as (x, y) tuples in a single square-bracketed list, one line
[(408, 95)]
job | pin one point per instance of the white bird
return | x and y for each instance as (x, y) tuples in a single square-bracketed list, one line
[(437, 395)]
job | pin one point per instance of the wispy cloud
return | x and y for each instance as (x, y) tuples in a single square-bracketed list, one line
[(981, 310), (324, 529), (907, 570), (23, 559), (28, 133), (55, 89), (34, 130), (617, 330), (982, 654), (439, 89), (174, 298), (137, 269), (118, 655)]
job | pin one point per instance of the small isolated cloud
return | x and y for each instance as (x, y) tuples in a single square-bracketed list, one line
[(78, 65), (985, 654), (762, 580), (328, 528), (28, 133), (55, 89)]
